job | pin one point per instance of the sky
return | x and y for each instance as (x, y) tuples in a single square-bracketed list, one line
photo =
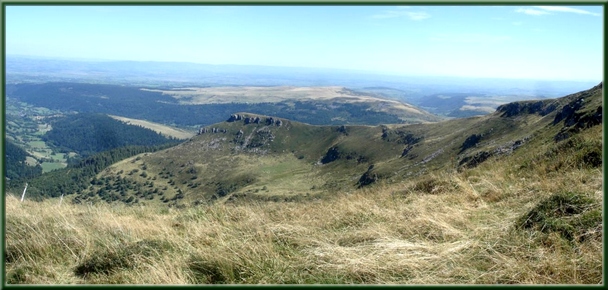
[(523, 42)]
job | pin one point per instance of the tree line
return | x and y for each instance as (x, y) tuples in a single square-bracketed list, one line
[(78, 176), (87, 134), (14, 162)]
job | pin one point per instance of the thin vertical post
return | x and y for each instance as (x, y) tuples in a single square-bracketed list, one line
[(23, 195)]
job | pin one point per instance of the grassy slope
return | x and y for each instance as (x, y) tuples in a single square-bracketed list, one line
[(530, 216), (288, 167), (448, 227)]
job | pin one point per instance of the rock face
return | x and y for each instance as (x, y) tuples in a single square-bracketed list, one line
[(273, 121), (527, 107), (574, 119), (479, 157), (213, 130), (332, 154), (406, 150), (471, 141), (235, 117), (401, 137), (260, 138), (368, 177), (254, 120), (251, 120), (472, 161)]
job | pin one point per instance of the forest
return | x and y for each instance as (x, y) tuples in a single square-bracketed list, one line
[(16, 166), (88, 133), (134, 103), (77, 176)]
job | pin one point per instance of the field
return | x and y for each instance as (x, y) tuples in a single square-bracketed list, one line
[(222, 95), (25, 125), (162, 129)]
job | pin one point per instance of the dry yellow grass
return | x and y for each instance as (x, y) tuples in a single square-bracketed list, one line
[(162, 129)]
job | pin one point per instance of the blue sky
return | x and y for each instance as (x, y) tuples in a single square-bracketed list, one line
[(530, 42)]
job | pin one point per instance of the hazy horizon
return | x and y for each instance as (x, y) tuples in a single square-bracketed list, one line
[(512, 42), (310, 69)]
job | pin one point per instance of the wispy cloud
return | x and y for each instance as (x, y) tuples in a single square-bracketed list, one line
[(567, 9), (401, 12), (531, 11), (542, 10)]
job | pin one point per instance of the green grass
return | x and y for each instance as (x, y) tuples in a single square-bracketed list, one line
[(31, 161), (37, 144), (49, 166)]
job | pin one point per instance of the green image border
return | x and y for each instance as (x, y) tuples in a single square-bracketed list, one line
[(266, 2)]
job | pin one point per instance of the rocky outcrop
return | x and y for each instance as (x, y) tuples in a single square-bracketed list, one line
[(479, 157), (577, 116), (204, 130), (332, 154), (406, 150), (473, 161), (262, 137), (574, 121), (235, 117), (541, 108), (251, 120), (400, 137), (432, 156), (470, 142), (255, 120), (274, 121), (368, 177)]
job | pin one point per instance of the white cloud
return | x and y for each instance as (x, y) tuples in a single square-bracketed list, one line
[(418, 15), (566, 9), (401, 13), (542, 10), (531, 11)]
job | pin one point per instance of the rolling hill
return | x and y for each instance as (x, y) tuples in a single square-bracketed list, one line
[(193, 107), (514, 197), (256, 157)]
